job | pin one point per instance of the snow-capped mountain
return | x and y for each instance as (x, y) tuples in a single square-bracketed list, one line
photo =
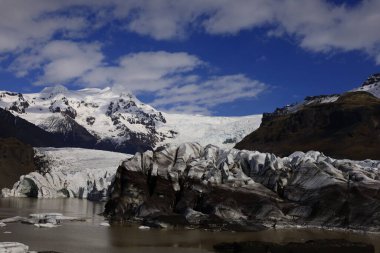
[(310, 100), (342, 126), (119, 121), (371, 85)]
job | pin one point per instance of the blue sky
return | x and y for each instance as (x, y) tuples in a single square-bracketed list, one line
[(215, 57)]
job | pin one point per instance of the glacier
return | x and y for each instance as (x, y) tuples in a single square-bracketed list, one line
[(212, 187), (69, 172)]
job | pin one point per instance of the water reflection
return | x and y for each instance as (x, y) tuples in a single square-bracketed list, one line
[(89, 236)]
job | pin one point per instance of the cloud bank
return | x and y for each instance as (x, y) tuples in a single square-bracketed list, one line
[(53, 39)]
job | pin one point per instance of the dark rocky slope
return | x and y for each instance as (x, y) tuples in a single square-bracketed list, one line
[(209, 187), (16, 159), (347, 128), (13, 126)]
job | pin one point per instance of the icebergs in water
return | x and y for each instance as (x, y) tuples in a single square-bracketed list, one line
[(13, 247), (105, 224), (12, 219), (46, 225), (41, 220), (50, 219)]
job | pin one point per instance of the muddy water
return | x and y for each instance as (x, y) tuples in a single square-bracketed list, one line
[(89, 236)]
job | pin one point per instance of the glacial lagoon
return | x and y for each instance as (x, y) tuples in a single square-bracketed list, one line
[(90, 236)]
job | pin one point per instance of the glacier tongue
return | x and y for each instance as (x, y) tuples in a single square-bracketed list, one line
[(69, 172), (92, 184), (190, 183)]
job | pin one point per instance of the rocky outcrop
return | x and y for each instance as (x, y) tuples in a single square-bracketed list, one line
[(68, 132), (346, 128), (16, 159), (371, 85), (13, 126), (210, 187), (372, 80)]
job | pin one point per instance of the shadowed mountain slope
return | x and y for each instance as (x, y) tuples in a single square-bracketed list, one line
[(347, 128), (13, 126), (16, 159)]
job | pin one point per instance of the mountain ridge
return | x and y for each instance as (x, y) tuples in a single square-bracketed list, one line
[(118, 121), (342, 126)]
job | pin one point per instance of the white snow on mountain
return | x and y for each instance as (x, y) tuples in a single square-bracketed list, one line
[(371, 85), (120, 116), (103, 112), (220, 131), (309, 101), (69, 172)]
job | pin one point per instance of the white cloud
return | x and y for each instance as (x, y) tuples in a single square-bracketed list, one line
[(24, 23), (170, 76), (317, 25), (323, 27), (202, 96), (67, 61), (174, 82), (59, 61), (234, 16), (144, 71), (50, 38)]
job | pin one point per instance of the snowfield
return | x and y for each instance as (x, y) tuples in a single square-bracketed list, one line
[(373, 88), (78, 159), (219, 131)]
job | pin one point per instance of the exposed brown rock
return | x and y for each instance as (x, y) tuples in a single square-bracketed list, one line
[(347, 128)]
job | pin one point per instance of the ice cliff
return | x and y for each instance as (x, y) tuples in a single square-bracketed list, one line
[(193, 185)]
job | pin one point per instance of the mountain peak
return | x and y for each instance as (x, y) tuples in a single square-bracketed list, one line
[(54, 90), (371, 85), (373, 79)]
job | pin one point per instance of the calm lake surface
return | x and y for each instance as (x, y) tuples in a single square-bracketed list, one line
[(89, 236)]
